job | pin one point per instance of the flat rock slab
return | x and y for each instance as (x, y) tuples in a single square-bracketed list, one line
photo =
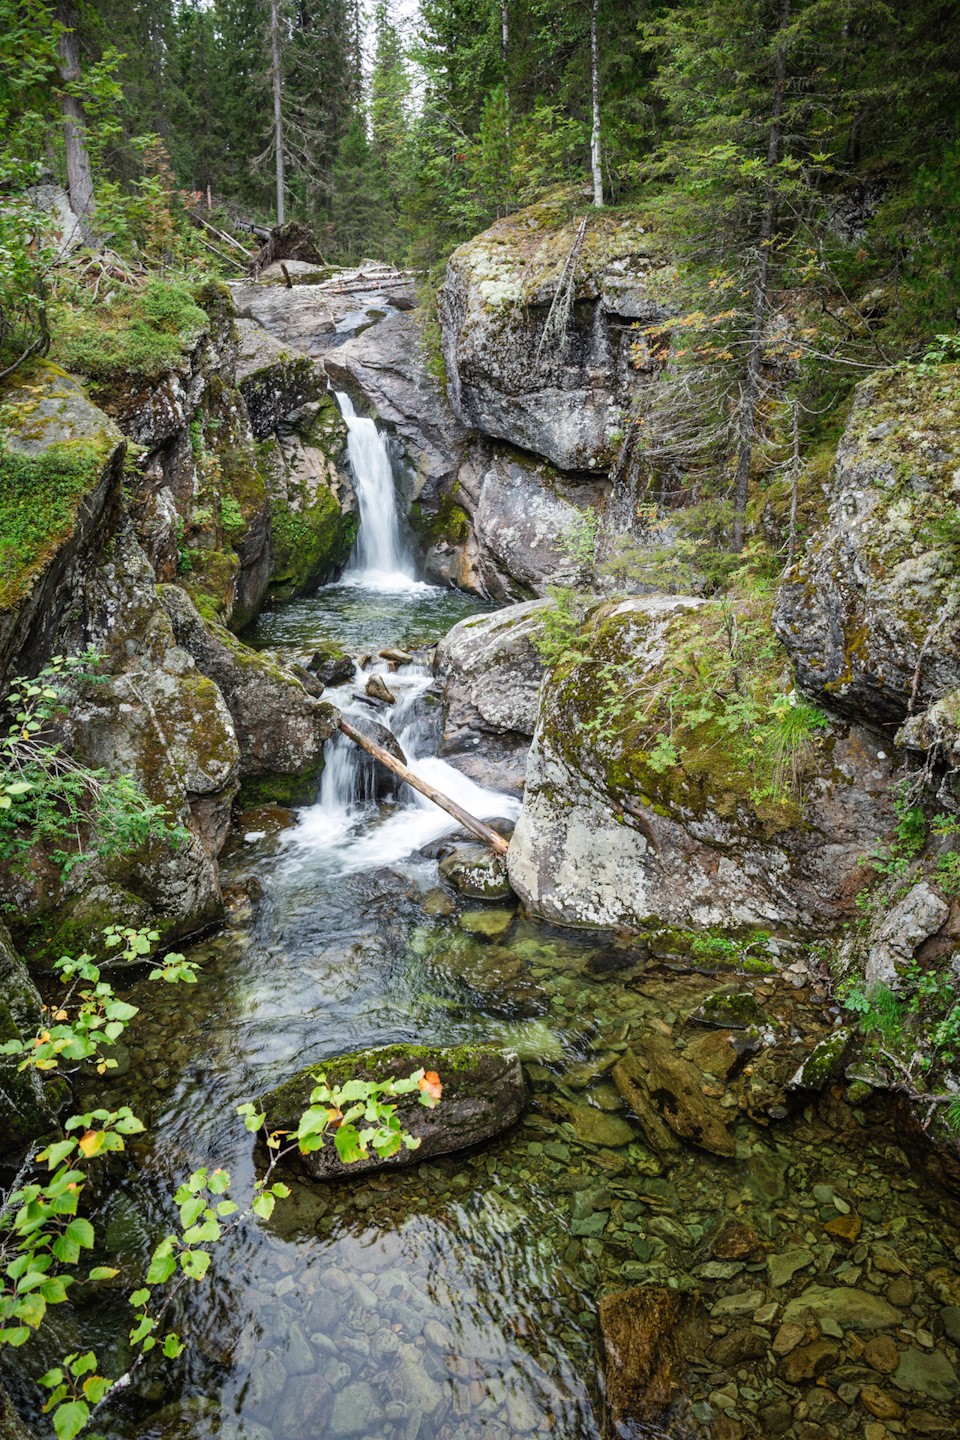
[(845, 1306), (483, 1094)]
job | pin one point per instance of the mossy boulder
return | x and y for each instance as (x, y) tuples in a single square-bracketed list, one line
[(483, 1094), (870, 613), (61, 471), (313, 505), (615, 832), (331, 664), (280, 729), (274, 379)]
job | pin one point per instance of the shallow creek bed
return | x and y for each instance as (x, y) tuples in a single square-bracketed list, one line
[(459, 1299)]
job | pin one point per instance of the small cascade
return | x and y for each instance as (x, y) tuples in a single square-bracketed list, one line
[(379, 558)]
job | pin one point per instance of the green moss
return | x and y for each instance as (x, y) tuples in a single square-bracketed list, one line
[(39, 499), (286, 790), (143, 332)]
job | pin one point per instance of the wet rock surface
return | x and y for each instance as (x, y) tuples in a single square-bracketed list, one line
[(483, 1093), (491, 676)]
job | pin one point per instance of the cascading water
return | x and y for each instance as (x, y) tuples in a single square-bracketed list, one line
[(379, 558)]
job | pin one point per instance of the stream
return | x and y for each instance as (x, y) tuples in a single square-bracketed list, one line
[(457, 1299)]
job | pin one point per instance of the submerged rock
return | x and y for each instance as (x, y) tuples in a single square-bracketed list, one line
[(641, 1333), (483, 1094)]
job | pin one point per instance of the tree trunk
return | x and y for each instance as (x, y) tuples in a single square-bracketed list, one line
[(794, 486), (595, 133), (751, 385), (79, 171), (277, 108), (482, 831)]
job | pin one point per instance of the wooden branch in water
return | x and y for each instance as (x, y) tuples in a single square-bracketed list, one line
[(482, 831)]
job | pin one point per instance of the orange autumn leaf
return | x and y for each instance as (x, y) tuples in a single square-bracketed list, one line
[(91, 1142), (430, 1084)]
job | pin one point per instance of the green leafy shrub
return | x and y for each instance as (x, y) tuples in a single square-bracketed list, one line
[(47, 798)]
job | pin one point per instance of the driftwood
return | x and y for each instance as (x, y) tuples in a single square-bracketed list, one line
[(482, 831), (292, 241), (202, 224)]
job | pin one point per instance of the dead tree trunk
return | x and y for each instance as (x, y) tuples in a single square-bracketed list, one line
[(483, 832), (277, 107), (595, 133), (79, 170), (751, 386)]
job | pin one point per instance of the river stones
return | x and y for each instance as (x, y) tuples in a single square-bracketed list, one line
[(844, 1305), (676, 1087), (332, 665), (641, 1340), (377, 690), (483, 1094)]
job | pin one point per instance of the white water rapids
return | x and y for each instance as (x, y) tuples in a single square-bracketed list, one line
[(347, 830)]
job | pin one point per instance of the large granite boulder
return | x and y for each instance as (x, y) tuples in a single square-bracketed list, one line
[(564, 399), (300, 316), (609, 835), (492, 675), (483, 1094), (870, 614), (280, 729)]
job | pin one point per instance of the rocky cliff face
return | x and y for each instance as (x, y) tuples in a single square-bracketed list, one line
[(510, 376), (870, 614), (180, 706)]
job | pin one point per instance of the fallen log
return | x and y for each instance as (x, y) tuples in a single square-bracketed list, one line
[(482, 831)]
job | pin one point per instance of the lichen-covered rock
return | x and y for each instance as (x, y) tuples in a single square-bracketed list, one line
[(607, 838), (564, 403), (153, 717), (823, 1062), (492, 675), (871, 612), (477, 872), (274, 379), (887, 949), (280, 729), (483, 1094), (312, 501)]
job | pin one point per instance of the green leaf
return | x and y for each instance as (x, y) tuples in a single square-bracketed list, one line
[(103, 1272), (218, 1182), (51, 1379), (57, 1152), (227, 1207), (281, 1190), (139, 1297), (348, 1144), (70, 1418), (201, 1234), (172, 1346), (195, 1263), (81, 1231), (161, 1268), (263, 1206), (191, 1209)]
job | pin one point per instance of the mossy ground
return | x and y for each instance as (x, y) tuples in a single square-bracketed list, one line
[(39, 499), (144, 332)]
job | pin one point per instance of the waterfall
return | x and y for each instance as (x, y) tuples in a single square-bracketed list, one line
[(379, 559)]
